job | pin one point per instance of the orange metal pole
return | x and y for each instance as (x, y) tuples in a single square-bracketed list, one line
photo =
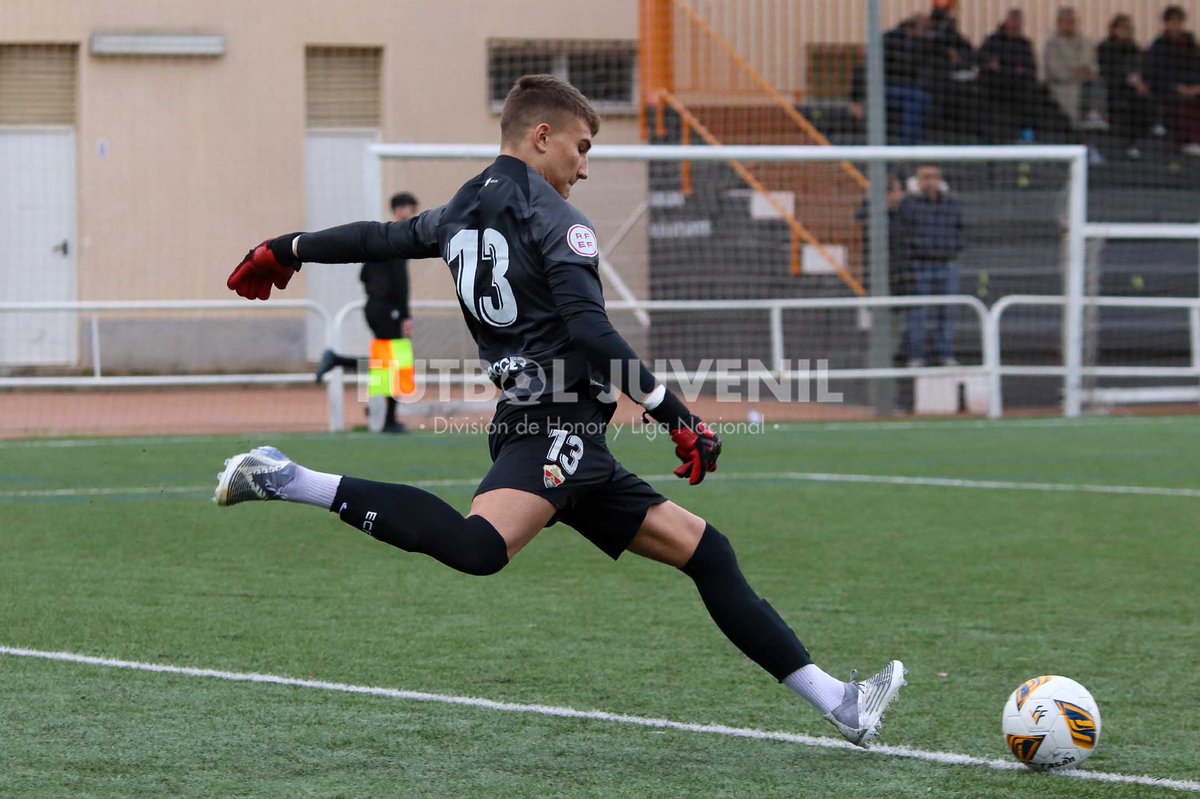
[(656, 60), (656, 49), (643, 56)]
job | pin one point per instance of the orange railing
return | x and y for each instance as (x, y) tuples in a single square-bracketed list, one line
[(762, 85), (799, 231), (686, 64)]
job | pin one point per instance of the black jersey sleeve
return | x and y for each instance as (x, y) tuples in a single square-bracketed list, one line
[(580, 301), (373, 241)]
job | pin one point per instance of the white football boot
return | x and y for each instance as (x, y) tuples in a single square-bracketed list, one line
[(262, 473), (858, 717)]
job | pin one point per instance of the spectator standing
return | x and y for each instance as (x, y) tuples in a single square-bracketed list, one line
[(1069, 61), (931, 224), (1173, 74), (1130, 110)]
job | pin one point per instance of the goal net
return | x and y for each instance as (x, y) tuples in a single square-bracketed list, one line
[(1102, 75), (744, 273)]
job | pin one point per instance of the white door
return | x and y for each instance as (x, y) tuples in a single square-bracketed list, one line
[(37, 244), (334, 191)]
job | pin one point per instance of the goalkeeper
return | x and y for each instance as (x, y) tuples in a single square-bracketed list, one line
[(525, 265)]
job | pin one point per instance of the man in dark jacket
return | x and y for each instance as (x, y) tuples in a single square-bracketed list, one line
[(953, 75), (1013, 98), (1129, 106), (906, 60), (1172, 70), (387, 312), (931, 224)]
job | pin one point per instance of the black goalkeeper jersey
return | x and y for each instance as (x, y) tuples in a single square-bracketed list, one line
[(525, 266)]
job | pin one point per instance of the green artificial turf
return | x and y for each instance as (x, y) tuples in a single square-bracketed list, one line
[(975, 588)]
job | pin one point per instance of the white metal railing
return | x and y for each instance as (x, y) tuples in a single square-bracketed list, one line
[(1147, 231), (774, 310), (992, 366), (995, 317), (99, 379)]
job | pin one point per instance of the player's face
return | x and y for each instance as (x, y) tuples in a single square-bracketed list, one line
[(566, 156), (403, 212)]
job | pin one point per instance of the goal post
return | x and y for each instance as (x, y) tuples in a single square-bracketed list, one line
[(758, 223)]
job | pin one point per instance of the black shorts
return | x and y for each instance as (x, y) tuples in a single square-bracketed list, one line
[(559, 452)]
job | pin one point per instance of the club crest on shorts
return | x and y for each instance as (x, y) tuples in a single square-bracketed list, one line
[(582, 240), (552, 476)]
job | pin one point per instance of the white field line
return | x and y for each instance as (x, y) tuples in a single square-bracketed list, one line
[(99, 492), (981, 485), (944, 758), (804, 477)]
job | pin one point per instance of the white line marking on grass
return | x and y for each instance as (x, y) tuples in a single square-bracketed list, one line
[(98, 492), (945, 758), (983, 485), (199, 438), (804, 477), (205, 489), (950, 425)]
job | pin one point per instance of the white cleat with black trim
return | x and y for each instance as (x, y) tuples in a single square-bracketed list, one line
[(262, 473), (859, 715)]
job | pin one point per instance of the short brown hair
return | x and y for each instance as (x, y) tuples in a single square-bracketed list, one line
[(534, 99)]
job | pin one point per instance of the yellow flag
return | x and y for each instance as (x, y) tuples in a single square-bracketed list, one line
[(391, 372)]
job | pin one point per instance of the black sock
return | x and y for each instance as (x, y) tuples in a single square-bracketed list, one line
[(417, 521), (389, 417), (748, 621)]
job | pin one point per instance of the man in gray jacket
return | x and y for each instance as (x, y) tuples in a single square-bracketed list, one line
[(931, 223)]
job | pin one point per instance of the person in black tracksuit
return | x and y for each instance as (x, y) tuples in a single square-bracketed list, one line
[(387, 312), (525, 266)]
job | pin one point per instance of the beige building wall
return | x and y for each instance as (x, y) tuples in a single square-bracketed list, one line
[(184, 163)]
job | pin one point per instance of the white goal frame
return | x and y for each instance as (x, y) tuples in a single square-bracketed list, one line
[(1074, 156)]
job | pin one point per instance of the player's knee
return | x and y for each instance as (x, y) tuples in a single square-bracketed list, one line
[(713, 551), (485, 551)]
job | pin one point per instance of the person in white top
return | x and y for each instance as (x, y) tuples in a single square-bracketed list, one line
[(1069, 62)]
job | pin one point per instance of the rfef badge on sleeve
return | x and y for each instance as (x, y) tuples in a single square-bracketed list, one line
[(582, 240)]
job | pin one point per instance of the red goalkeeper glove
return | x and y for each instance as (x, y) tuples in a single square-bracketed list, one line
[(698, 447), (271, 263)]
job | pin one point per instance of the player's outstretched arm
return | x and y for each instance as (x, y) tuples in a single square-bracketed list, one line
[(579, 298), (273, 262)]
